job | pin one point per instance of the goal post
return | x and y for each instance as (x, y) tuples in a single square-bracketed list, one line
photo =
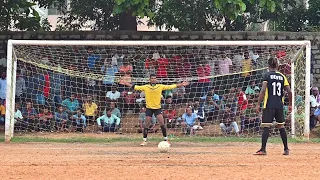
[(29, 52)]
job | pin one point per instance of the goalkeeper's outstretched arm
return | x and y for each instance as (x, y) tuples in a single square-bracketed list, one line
[(173, 86)]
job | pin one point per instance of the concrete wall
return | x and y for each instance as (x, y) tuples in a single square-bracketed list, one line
[(129, 35)]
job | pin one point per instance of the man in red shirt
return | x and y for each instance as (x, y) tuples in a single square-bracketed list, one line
[(162, 67), (203, 85)]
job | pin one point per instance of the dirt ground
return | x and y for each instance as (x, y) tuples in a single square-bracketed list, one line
[(129, 161)]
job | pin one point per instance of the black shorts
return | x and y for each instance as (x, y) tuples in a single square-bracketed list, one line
[(268, 116), (155, 112)]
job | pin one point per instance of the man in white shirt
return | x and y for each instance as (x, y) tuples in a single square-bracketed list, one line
[(113, 95)]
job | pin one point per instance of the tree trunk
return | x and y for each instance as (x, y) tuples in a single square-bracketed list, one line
[(127, 21)]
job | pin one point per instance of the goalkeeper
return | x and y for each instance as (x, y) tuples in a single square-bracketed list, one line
[(153, 92)]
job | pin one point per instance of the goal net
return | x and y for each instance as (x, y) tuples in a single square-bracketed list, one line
[(78, 86)]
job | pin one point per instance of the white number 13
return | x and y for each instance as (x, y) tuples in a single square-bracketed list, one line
[(276, 88)]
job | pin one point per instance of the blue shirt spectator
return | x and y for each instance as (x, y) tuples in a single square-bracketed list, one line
[(71, 104), (78, 117), (108, 120), (92, 60), (110, 72), (60, 116), (189, 118)]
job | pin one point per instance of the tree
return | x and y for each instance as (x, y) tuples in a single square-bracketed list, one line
[(18, 15)]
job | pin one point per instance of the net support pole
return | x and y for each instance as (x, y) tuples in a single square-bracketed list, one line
[(293, 129), (307, 91), (10, 93)]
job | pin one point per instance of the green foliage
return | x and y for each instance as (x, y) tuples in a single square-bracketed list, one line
[(45, 25), (139, 8), (18, 14)]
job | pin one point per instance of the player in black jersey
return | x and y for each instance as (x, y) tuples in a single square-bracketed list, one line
[(272, 92)]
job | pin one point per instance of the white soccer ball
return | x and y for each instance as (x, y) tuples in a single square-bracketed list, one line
[(163, 146)]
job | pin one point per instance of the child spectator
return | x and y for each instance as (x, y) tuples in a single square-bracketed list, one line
[(71, 104), (29, 116), (90, 110), (61, 118), (79, 121), (108, 122), (46, 120)]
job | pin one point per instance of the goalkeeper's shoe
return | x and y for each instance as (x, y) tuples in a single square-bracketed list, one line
[(286, 152), (260, 152), (144, 143)]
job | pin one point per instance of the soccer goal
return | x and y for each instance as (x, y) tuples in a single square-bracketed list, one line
[(71, 86)]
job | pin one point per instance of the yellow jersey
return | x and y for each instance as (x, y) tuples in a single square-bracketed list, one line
[(89, 110), (246, 67), (153, 94)]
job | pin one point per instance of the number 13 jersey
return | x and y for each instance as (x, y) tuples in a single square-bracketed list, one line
[(274, 95)]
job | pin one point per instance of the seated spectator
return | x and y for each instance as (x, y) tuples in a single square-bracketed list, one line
[(252, 88), (18, 118), (250, 118), (231, 99), (142, 99), (211, 109), (90, 110), (61, 118), (142, 120), (2, 113), (170, 116), (197, 109), (113, 95), (188, 121), (114, 110), (211, 93), (40, 98), (30, 117), (71, 104), (178, 95), (46, 120), (228, 121), (108, 122), (129, 99), (79, 121), (167, 102)]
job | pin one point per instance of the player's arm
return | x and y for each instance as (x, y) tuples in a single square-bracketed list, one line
[(261, 94), (135, 87), (173, 86)]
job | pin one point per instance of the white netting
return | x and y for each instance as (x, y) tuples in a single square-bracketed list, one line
[(220, 76)]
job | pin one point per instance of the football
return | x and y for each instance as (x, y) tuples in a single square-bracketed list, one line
[(164, 146)]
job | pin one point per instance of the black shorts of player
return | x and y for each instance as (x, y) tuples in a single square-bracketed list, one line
[(155, 112), (269, 114)]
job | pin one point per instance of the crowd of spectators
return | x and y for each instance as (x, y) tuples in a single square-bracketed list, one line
[(223, 88)]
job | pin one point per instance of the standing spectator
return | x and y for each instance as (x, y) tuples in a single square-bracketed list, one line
[(92, 59), (246, 65), (113, 95), (46, 83), (108, 122), (150, 66), (211, 108), (228, 121), (224, 64), (29, 116), (79, 120), (162, 64), (3, 86), (71, 104), (20, 86), (237, 59), (110, 72), (204, 82), (46, 120), (90, 110), (125, 75), (61, 118)]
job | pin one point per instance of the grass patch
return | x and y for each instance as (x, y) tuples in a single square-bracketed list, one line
[(22, 139)]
